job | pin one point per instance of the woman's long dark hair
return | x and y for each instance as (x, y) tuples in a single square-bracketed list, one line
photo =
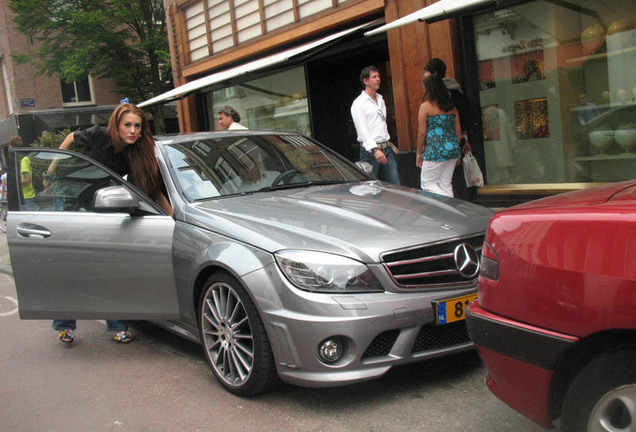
[(140, 156), (435, 92)]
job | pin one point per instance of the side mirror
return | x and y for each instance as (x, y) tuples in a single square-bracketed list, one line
[(365, 167), (115, 199)]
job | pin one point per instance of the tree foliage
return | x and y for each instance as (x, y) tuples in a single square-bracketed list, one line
[(51, 139), (124, 40)]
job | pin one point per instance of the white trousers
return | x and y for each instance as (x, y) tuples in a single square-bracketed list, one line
[(437, 177)]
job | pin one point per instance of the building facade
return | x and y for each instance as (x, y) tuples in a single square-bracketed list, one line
[(34, 104), (550, 83)]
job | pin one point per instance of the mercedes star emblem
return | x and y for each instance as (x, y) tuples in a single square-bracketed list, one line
[(466, 261)]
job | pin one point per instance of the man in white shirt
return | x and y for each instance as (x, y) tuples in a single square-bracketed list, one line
[(369, 117), (229, 119)]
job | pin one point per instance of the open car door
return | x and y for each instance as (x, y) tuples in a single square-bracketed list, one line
[(79, 251)]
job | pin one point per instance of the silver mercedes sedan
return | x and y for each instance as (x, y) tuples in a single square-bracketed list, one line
[(283, 260)]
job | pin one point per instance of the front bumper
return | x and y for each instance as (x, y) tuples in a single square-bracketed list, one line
[(379, 330), (520, 360)]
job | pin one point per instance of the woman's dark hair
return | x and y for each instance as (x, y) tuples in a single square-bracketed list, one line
[(435, 91), (436, 66), (144, 171)]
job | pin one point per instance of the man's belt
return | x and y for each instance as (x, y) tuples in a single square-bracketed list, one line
[(383, 144)]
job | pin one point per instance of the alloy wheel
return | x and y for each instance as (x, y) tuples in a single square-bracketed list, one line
[(616, 411), (227, 335)]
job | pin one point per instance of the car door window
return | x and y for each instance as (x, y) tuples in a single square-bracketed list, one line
[(52, 181)]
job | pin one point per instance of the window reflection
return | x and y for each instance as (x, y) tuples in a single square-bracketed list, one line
[(233, 165), (558, 92), (275, 102), (69, 187)]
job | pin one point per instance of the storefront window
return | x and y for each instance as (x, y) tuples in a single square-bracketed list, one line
[(558, 91), (278, 101)]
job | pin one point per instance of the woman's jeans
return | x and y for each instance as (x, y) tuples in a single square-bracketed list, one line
[(111, 325)]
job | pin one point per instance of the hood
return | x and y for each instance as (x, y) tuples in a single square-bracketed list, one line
[(597, 195), (359, 220)]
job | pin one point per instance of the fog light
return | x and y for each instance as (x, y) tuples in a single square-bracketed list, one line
[(330, 350)]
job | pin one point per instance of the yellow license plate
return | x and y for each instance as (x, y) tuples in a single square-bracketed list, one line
[(451, 310)]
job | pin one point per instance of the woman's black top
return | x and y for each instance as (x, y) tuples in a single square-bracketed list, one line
[(95, 143)]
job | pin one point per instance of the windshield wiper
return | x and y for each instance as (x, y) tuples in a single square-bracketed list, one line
[(277, 187), (302, 184)]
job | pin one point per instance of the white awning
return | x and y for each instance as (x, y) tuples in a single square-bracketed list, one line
[(440, 10), (255, 65)]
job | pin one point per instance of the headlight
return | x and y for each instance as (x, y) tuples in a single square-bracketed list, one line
[(322, 272)]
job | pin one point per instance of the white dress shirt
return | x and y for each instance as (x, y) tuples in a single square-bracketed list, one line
[(369, 119), (236, 126)]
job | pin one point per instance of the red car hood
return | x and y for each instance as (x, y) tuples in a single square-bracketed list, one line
[(625, 190)]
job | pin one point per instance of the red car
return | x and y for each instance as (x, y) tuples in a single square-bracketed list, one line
[(555, 320)]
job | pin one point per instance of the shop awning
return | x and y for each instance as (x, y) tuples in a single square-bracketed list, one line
[(185, 89), (437, 11)]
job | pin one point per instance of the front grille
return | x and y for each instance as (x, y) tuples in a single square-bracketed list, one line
[(382, 344), (432, 264), (433, 337)]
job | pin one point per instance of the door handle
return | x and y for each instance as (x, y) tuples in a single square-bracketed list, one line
[(33, 232)]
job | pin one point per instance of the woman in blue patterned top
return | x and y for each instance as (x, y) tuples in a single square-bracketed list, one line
[(438, 135)]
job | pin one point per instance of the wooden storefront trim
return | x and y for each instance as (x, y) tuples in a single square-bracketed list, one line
[(534, 188), (410, 48), (334, 19)]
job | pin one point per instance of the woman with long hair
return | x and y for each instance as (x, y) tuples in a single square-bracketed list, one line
[(130, 135), (438, 135), (127, 147)]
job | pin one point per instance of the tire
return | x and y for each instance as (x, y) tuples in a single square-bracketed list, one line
[(234, 339), (602, 396), (3, 218)]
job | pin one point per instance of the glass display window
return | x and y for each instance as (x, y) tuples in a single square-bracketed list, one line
[(490, 120), (276, 102), (558, 91), (531, 118), (529, 66)]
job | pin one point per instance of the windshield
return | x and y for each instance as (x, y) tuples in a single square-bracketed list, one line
[(230, 165)]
